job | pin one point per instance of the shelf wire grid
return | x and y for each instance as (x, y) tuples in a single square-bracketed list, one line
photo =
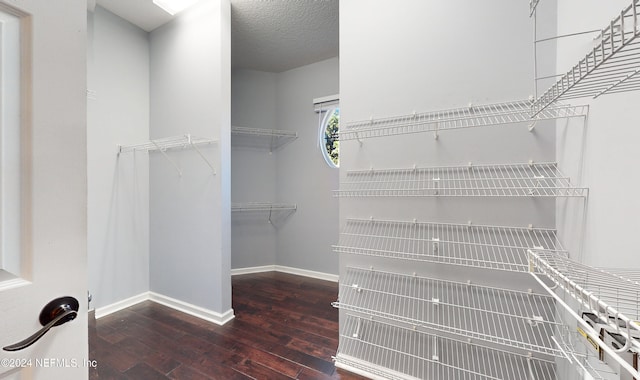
[(396, 352), (490, 247), (612, 66), (271, 139), (612, 297), (274, 212), (261, 206), (525, 321), (173, 142), (457, 118), (498, 180)]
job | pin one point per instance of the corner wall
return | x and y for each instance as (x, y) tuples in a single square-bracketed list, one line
[(253, 169), (303, 176), (295, 174), (118, 186), (190, 214)]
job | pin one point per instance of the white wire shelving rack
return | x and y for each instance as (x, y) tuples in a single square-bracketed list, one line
[(405, 353), (270, 139), (499, 180), (274, 211), (518, 320), (169, 143), (458, 118), (614, 299), (612, 66), (481, 246)]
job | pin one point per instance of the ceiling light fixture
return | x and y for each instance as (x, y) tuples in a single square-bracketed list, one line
[(174, 6)]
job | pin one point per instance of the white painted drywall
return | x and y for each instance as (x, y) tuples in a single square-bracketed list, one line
[(253, 169), (303, 177), (118, 186), (190, 215)]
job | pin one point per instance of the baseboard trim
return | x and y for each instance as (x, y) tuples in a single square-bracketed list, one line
[(285, 269), (250, 270), (184, 307), (196, 311), (117, 306)]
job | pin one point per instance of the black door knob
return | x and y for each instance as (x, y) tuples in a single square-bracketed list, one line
[(55, 313)]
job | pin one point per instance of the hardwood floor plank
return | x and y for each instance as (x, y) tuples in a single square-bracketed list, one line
[(271, 361), (285, 328), (144, 371), (186, 372), (258, 371)]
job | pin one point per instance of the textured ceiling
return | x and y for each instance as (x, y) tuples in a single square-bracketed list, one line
[(266, 35), (278, 35)]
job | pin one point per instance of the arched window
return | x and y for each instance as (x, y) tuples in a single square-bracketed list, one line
[(330, 143)]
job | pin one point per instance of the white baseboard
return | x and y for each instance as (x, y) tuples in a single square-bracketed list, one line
[(117, 306), (265, 268), (196, 311), (284, 269)]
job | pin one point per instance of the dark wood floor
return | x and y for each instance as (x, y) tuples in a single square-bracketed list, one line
[(285, 328)]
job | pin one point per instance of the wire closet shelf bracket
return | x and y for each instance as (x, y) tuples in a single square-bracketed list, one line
[(499, 180), (168, 143), (458, 118), (271, 139), (613, 299), (480, 246), (404, 353), (274, 211), (523, 321), (612, 66)]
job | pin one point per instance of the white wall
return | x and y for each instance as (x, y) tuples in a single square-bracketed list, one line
[(303, 177), (118, 186), (190, 215), (253, 168)]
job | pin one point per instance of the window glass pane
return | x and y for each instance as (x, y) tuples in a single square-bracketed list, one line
[(331, 125)]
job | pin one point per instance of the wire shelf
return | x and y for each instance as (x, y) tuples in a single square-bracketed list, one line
[(490, 247), (613, 299), (524, 321), (274, 212), (458, 118), (612, 66), (262, 206), (589, 284), (394, 352), (510, 180), (271, 139), (184, 141), (168, 143)]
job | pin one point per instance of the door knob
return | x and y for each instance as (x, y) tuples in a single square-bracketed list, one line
[(55, 313)]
